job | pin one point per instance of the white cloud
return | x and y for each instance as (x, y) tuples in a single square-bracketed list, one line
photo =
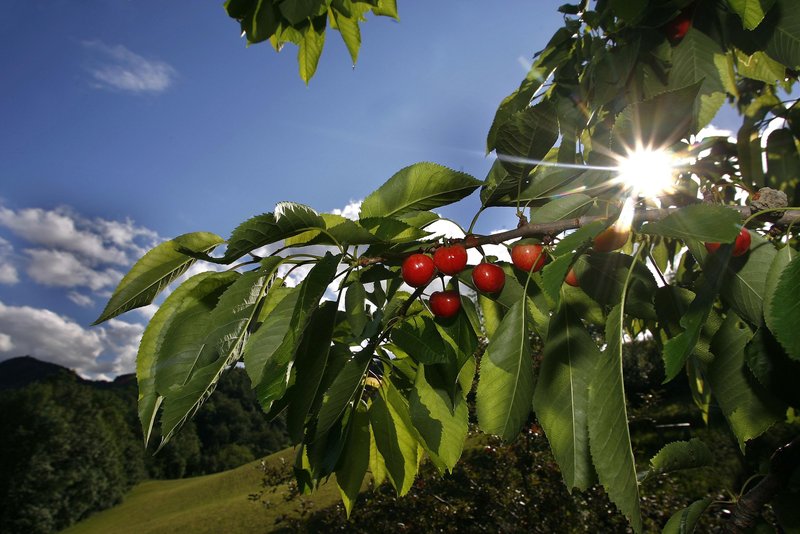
[(124, 70), (8, 272), (99, 240), (84, 301), (60, 268), (5, 343), (99, 352), (350, 211)]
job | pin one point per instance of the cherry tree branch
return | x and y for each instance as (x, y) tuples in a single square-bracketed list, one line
[(781, 466)]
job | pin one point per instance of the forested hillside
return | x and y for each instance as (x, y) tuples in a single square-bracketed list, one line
[(70, 447)]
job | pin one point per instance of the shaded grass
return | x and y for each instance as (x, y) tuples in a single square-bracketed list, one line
[(212, 503)]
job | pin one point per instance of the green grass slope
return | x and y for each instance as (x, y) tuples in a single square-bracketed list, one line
[(212, 503)]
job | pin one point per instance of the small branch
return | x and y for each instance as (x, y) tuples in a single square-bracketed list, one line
[(554, 228), (781, 465)]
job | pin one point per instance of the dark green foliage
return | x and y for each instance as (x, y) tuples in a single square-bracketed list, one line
[(70, 447), (65, 451)]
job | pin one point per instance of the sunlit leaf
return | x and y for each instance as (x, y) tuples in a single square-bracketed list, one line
[(394, 438), (353, 465), (173, 338), (785, 309), (702, 222), (561, 400), (155, 270), (422, 186), (749, 409), (685, 520), (609, 437)]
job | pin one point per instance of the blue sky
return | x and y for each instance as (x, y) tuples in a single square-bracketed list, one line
[(127, 122)]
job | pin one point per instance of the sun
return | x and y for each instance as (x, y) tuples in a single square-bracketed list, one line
[(647, 172)]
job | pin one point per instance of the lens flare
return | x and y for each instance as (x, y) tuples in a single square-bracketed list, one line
[(647, 172)]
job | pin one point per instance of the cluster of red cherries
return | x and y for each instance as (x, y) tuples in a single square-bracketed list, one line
[(419, 269)]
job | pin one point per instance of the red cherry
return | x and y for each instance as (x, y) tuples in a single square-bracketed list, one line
[(740, 246), (488, 277), (418, 270), (677, 28), (529, 258), (450, 260), (445, 303), (610, 239), (572, 278)]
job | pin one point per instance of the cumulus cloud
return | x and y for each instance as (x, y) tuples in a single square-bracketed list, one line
[(97, 353), (350, 211), (98, 240), (64, 269), (8, 271), (84, 301), (118, 68)]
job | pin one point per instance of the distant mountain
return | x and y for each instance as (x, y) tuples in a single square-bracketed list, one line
[(23, 370)]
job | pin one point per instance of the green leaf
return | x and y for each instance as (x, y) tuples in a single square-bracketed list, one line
[(745, 279), (288, 219), (609, 438), (505, 389), (353, 464), (785, 309), (422, 186), (630, 11), (390, 230), (394, 438), (678, 348), (553, 276), (659, 121), (685, 520), (694, 61), (351, 35), (296, 11), (276, 315), (338, 230), (525, 138), (174, 334), (759, 66), (568, 207), (703, 222), (419, 338), (556, 52), (442, 430), (603, 276), (154, 271), (769, 363), (354, 300), (272, 383), (229, 323), (783, 257), (310, 364), (783, 160), (310, 48), (680, 455), (751, 12), (343, 389), (745, 404), (561, 400), (779, 33)]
